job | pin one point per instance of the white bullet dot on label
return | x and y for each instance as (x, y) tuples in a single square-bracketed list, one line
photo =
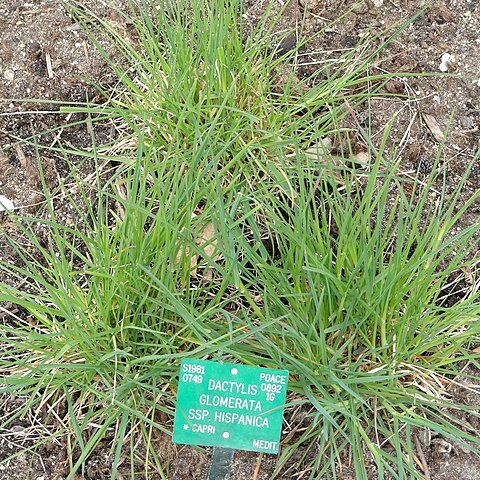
[(234, 371), (225, 435)]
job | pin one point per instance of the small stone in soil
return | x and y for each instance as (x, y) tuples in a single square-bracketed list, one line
[(466, 122), (9, 75), (6, 204)]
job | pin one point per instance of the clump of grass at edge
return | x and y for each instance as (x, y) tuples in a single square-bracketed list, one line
[(219, 236)]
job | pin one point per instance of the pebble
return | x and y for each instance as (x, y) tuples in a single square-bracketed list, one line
[(446, 58), (466, 122), (6, 204), (287, 44), (73, 28), (9, 75), (19, 430)]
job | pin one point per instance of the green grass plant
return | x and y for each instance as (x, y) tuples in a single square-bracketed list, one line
[(218, 235)]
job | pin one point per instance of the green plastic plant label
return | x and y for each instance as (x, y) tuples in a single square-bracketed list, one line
[(230, 406)]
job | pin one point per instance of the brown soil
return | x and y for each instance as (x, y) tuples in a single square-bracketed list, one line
[(44, 55)]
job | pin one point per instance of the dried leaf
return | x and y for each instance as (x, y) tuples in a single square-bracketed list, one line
[(395, 87), (322, 148), (414, 151), (361, 158), (433, 126), (30, 166), (208, 242), (193, 260), (468, 275), (122, 193), (49, 171)]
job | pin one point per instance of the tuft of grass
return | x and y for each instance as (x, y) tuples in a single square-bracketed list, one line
[(220, 235), (358, 289)]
